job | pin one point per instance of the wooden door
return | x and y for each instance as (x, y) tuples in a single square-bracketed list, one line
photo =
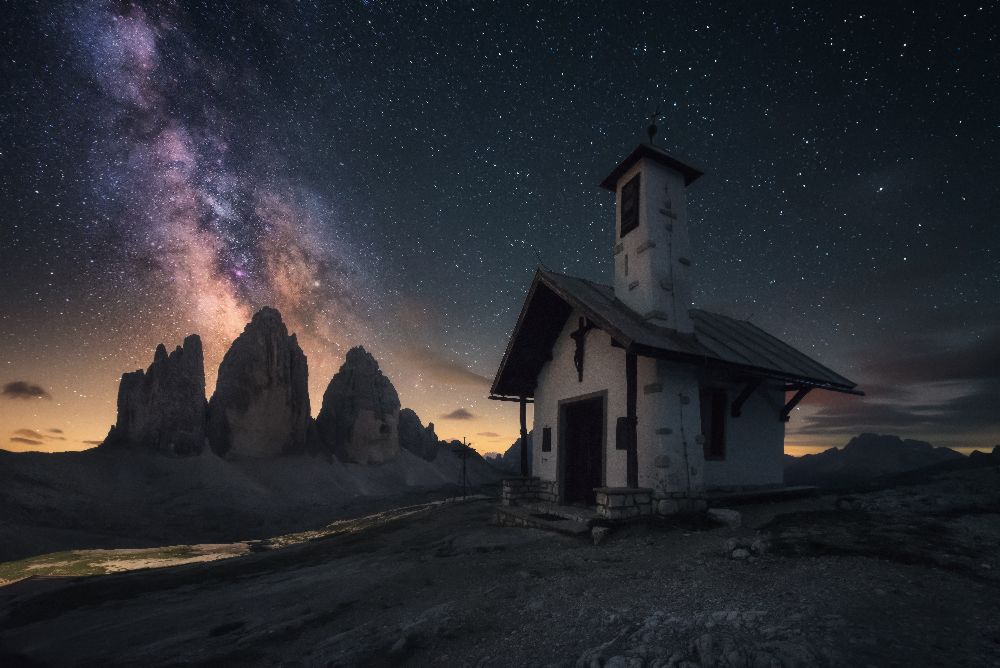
[(583, 434)]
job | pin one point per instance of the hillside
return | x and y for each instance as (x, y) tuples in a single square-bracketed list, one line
[(111, 498)]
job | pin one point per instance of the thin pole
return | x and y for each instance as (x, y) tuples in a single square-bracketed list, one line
[(631, 390), (465, 456)]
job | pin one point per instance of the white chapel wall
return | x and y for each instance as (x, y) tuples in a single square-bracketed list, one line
[(754, 443), (670, 459), (603, 370)]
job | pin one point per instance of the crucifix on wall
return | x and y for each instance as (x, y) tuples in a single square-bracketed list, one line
[(580, 336)]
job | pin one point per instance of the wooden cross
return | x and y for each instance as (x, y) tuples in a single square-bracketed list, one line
[(580, 336), (651, 130)]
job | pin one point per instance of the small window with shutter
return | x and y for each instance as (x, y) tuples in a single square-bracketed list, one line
[(713, 422)]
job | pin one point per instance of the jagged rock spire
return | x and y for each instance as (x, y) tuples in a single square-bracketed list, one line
[(261, 402), (359, 419), (163, 408)]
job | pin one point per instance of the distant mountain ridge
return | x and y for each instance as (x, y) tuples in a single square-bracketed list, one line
[(261, 407), (865, 457)]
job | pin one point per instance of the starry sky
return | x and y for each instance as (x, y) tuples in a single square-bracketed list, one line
[(390, 174)]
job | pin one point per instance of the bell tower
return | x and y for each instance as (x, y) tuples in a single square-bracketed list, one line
[(652, 253)]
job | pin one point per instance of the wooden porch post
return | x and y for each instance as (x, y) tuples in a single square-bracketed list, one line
[(524, 438), (631, 391)]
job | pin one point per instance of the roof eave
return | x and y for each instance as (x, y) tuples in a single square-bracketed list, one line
[(515, 333), (689, 172), (542, 277)]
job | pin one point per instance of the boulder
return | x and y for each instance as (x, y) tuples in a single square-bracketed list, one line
[(163, 408), (744, 547), (359, 419), (599, 534), (261, 402), (415, 437), (726, 517)]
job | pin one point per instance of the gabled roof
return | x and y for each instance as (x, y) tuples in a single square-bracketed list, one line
[(656, 155), (718, 341)]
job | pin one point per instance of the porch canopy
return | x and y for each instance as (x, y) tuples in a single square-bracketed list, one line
[(718, 341)]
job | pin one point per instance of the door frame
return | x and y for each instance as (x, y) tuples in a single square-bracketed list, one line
[(561, 431)]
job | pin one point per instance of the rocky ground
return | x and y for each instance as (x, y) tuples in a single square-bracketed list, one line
[(909, 576)]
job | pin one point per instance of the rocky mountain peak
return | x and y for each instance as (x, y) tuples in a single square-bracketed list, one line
[(267, 313), (359, 418), (415, 437), (261, 401), (163, 408), (358, 358)]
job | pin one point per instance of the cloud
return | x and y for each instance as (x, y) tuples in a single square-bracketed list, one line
[(965, 406), (55, 430), (38, 436), (935, 360), (93, 442), (458, 414), (26, 441), (443, 370), (22, 389), (488, 434), (934, 383)]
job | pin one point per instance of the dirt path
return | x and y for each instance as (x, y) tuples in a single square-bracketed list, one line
[(74, 563), (444, 587)]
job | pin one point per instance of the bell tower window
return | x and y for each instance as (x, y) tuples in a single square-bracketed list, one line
[(630, 206)]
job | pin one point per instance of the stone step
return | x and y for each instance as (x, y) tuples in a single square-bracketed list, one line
[(531, 518), (581, 514)]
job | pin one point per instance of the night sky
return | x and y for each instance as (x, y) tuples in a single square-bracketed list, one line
[(390, 174)]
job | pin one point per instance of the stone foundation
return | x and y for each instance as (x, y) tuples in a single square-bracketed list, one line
[(674, 503), (624, 503), (529, 489), (613, 503)]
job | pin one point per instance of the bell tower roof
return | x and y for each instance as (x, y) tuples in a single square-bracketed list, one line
[(655, 154)]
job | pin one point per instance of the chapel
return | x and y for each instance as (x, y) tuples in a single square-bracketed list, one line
[(642, 404)]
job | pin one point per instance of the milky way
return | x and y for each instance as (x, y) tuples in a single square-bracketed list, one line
[(210, 235)]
